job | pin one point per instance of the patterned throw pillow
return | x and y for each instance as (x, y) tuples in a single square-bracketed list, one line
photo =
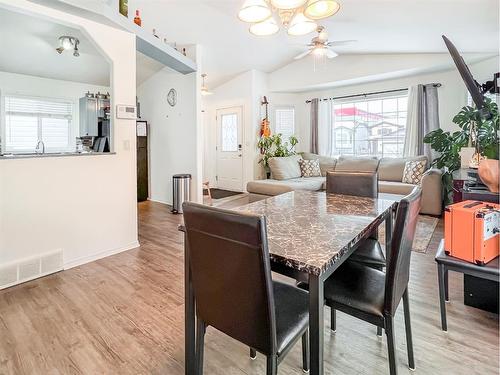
[(413, 172), (309, 168)]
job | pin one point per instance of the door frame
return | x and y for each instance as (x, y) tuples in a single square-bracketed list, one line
[(243, 147)]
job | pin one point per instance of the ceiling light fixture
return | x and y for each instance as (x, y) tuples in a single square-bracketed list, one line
[(204, 89), (297, 16), (319, 9), (67, 43), (254, 11), (265, 28)]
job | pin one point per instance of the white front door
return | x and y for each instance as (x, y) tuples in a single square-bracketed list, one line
[(229, 149)]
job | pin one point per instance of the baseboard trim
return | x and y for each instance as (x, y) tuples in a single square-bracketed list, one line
[(160, 201), (99, 255)]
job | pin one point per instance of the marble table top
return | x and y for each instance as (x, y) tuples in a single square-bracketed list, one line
[(309, 231)]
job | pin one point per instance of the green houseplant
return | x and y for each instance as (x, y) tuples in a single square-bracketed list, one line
[(274, 146), (481, 132)]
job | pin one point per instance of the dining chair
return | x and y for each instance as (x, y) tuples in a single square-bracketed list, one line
[(372, 295), (233, 288), (369, 252)]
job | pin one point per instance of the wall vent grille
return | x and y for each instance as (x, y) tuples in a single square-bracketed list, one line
[(30, 268)]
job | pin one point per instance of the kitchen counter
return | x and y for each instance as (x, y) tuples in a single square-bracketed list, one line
[(51, 155)]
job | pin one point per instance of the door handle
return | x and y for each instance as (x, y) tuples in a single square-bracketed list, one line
[(239, 155)]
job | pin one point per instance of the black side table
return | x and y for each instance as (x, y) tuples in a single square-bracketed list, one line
[(446, 263)]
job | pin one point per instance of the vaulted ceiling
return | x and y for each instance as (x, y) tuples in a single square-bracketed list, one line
[(379, 26)]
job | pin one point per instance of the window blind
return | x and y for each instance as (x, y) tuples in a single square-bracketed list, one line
[(29, 120), (285, 122)]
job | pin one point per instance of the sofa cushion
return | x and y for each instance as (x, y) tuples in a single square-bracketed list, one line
[(357, 164), (413, 172), (325, 163), (393, 187), (391, 169), (275, 187), (309, 168), (284, 168)]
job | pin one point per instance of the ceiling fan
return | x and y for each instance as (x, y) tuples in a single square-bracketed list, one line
[(321, 47)]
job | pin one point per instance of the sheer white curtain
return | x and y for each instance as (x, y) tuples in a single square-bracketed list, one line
[(325, 126), (411, 136)]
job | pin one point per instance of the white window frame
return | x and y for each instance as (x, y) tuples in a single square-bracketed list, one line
[(72, 124), (282, 108), (366, 99)]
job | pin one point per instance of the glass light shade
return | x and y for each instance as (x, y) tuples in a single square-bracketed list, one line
[(319, 51), (287, 4), (65, 42), (254, 11), (205, 92), (267, 27), (318, 9), (301, 25)]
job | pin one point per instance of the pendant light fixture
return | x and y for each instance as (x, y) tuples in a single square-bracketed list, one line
[(301, 25), (254, 11), (319, 9), (297, 16), (287, 4), (265, 28), (204, 89)]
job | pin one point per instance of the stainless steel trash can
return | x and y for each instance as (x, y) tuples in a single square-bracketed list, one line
[(181, 191)]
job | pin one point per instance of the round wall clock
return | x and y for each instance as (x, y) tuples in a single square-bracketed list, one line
[(172, 97)]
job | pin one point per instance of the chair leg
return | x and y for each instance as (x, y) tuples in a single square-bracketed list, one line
[(272, 365), (200, 343), (391, 349), (253, 354), (409, 339), (446, 295), (305, 352), (442, 296), (333, 320)]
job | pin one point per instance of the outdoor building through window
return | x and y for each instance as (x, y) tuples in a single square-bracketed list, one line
[(370, 127)]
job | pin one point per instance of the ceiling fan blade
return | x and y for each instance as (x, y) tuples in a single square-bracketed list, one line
[(303, 54), (340, 42), (330, 53)]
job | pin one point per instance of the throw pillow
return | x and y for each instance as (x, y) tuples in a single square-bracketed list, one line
[(285, 168), (309, 168), (413, 172)]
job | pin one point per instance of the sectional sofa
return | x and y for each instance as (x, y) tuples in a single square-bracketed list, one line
[(390, 173)]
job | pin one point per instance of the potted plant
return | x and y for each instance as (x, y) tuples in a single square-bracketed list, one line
[(274, 146), (480, 132)]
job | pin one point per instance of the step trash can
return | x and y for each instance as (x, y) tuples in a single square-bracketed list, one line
[(181, 185)]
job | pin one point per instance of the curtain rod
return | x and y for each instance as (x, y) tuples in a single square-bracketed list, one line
[(370, 93)]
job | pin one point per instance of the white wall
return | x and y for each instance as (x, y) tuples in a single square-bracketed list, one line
[(173, 131), (452, 93), (84, 205), (21, 84)]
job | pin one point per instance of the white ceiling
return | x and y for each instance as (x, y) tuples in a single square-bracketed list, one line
[(380, 26), (28, 47)]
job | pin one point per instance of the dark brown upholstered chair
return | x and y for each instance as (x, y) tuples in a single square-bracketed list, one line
[(234, 291), (361, 184), (372, 295)]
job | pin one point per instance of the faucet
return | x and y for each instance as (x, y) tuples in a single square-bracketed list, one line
[(37, 149)]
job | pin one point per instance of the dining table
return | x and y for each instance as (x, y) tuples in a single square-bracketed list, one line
[(310, 234)]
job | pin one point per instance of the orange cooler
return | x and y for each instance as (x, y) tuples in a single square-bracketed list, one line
[(471, 231)]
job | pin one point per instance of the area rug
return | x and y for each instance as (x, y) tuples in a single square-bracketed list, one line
[(219, 193), (423, 233)]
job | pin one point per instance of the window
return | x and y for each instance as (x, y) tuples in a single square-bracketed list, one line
[(285, 122), (370, 127), (29, 120), (229, 130)]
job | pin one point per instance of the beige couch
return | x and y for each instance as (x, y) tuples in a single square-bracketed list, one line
[(286, 177)]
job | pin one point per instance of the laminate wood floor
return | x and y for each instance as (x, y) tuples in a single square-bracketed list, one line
[(124, 315)]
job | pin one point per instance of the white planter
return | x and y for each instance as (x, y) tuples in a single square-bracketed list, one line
[(466, 154)]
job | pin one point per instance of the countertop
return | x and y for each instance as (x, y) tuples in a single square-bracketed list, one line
[(52, 155)]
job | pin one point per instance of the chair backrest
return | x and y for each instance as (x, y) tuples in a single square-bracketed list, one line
[(361, 184), (231, 274), (398, 259)]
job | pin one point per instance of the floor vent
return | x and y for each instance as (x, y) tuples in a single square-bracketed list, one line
[(30, 268)]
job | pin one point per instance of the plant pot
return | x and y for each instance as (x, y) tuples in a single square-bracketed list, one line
[(488, 173)]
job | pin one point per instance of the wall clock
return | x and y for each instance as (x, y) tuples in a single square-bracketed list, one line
[(172, 97)]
